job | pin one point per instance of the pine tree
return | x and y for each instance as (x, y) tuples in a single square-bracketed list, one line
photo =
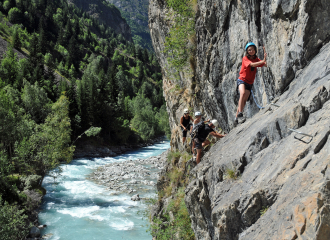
[(73, 51), (76, 27), (67, 32), (36, 60), (112, 85), (17, 43), (42, 41)]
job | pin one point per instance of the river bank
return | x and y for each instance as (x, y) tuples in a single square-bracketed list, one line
[(131, 177), (85, 149), (81, 204)]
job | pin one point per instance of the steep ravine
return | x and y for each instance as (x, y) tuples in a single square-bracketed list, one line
[(283, 188)]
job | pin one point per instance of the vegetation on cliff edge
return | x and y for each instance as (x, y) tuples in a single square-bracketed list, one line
[(180, 43), (174, 221)]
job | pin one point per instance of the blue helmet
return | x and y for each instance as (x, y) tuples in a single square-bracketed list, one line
[(251, 44)]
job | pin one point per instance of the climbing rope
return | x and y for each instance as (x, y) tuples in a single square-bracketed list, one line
[(260, 107)]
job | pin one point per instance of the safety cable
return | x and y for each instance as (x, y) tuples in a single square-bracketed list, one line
[(260, 107)]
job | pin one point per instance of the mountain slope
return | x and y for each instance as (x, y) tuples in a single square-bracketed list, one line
[(136, 14), (106, 14)]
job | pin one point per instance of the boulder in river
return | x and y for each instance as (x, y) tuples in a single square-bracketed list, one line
[(34, 232), (136, 198)]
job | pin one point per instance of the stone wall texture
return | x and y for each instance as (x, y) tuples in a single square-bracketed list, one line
[(282, 189)]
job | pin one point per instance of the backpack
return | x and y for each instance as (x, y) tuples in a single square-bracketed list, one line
[(198, 127)]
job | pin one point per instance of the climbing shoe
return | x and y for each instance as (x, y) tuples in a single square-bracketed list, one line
[(240, 118), (194, 152)]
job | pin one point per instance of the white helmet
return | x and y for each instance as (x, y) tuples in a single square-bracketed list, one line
[(215, 122), (198, 114), (186, 110)]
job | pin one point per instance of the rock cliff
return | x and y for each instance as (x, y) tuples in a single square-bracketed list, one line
[(280, 188), (292, 31), (109, 15), (277, 170)]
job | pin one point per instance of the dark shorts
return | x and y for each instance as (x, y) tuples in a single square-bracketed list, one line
[(247, 86), (184, 133), (198, 143)]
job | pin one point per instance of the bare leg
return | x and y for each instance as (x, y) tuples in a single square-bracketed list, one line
[(198, 158), (205, 143), (183, 139), (243, 97)]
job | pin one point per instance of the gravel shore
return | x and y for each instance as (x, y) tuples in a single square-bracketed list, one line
[(131, 177)]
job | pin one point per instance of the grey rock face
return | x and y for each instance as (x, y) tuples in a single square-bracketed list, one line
[(283, 187), (292, 31), (262, 181)]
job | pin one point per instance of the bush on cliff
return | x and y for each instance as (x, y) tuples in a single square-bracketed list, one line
[(180, 42), (173, 222)]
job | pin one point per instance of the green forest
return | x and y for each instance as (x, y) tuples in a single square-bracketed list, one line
[(77, 74), (135, 13)]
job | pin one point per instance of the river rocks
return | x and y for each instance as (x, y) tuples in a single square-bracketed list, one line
[(281, 185), (34, 232), (130, 176), (135, 198), (42, 226)]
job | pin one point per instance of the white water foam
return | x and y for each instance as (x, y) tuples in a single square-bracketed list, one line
[(83, 212), (77, 209), (122, 225)]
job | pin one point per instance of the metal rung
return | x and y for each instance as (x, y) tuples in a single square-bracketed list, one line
[(274, 105), (305, 134)]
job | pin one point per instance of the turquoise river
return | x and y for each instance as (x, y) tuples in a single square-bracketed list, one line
[(76, 208)]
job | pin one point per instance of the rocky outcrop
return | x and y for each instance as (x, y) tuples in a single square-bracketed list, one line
[(109, 15), (292, 31), (283, 185), (178, 86), (262, 181)]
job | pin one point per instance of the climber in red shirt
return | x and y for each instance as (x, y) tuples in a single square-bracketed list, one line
[(246, 77)]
